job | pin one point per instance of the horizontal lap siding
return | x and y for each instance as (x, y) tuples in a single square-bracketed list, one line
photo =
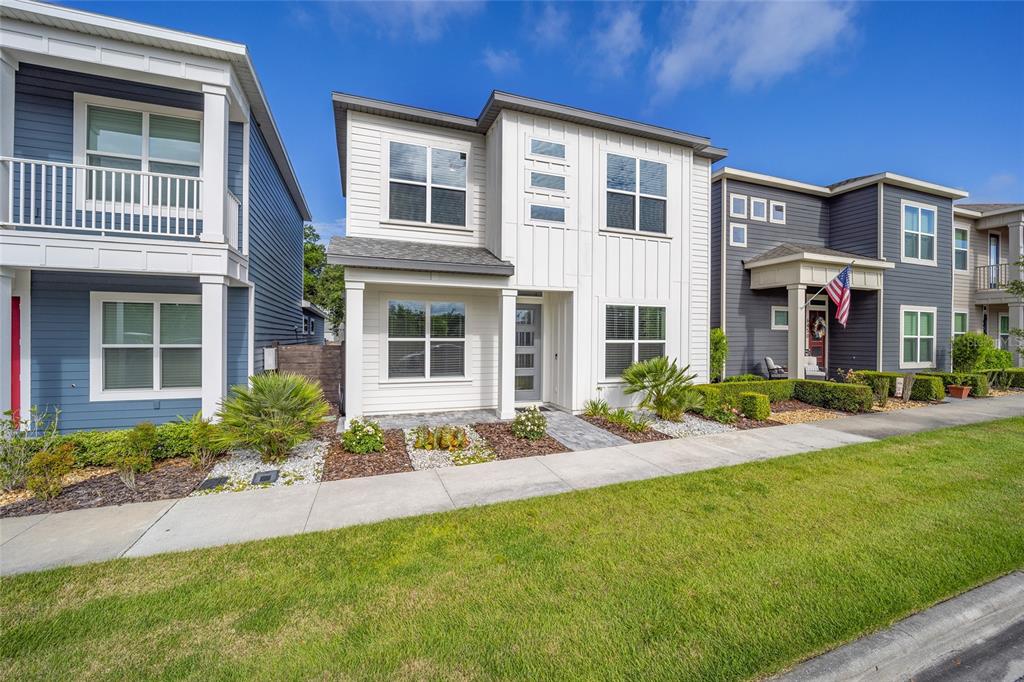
[(748, 312), (856, 345), (716, 254), (236, 143), (699, 269), (275, 252), (238, 336), (480, 392), (917, 285), (854, 222), (60, 350)]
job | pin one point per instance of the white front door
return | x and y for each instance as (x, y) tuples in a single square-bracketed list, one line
[(527, 352)]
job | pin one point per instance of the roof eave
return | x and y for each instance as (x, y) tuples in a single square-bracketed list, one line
[(419, 265), (822, 258)]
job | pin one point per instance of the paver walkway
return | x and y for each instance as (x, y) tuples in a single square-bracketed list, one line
[(577, 434), (47, 540)]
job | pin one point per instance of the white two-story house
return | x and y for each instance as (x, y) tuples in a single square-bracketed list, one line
[(525, 256), (150, 221)]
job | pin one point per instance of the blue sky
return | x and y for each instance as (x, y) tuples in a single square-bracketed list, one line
[(812, 91)]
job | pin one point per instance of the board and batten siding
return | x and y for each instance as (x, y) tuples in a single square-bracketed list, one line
[(853, 218), (60, 350), (275, 252), (480, 388), (914, 284), (366, 212), (747, 312)]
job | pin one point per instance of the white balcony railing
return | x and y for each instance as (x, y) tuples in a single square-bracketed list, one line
[(64, 196), (995, 276)]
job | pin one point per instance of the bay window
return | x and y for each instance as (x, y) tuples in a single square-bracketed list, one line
[(917, 331), (637, 194), (918, 233), (427, 184), (632, 334), (426, 339)]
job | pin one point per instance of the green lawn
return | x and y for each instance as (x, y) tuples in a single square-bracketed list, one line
[(722, 575)]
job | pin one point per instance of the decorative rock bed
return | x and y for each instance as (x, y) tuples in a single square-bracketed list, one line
[(304, 465), (478, 451), (690, 425)]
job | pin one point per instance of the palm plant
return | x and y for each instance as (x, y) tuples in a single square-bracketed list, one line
[(275, 414), (667, 388)]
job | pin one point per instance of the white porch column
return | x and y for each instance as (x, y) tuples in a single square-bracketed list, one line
[(6, 289), (507, 355), (797, 330), (354, 350), (215, 161), (7, 69), (215, 346)]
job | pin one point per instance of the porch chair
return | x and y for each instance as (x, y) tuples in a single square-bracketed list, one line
[(811, 369), (774, 371)]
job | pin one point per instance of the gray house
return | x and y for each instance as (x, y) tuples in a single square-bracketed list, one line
[(777, 242)]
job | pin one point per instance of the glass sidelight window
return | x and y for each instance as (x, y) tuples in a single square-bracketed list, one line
[(426, 340), (632, 334)]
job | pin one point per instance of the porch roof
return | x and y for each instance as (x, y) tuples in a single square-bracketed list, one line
[(392, 254), (789, 264)]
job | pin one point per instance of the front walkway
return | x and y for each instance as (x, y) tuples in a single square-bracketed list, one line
[(36, 542)]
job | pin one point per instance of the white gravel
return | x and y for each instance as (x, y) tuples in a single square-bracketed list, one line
[(689, 425), (435, 459), (305, 464)]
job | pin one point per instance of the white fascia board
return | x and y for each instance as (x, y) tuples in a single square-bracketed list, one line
[(821, 258), (903, 181), (770, 180), (819, 190)]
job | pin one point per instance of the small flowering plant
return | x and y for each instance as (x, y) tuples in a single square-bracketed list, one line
[(530, 424), (363, 436)]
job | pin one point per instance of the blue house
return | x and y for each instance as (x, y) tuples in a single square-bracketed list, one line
[(150, 220)]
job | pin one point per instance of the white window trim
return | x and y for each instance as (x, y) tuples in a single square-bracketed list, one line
[(535, 189), (545, 221), (967, 326), (935, 324), (636, 333), (426, 378), (903, 231), (732, 234), (999, 331), (530, 154), (636, 194), (967, 250), (779, 327), (763, 203), (96, 391), (386, 180), (771, 212), (738, 214)]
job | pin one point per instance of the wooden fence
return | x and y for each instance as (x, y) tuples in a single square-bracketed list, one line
[(324, 363)]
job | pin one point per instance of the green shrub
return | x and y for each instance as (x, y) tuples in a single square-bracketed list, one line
[(20, 441), (444, 437), (744, 377), (927, 388), (719, 353), (136, 457), (880, 386), (596, 408), (625, 419), (833, 396), (978, 381), (176, 439), (666, 388), (47, 469), (530, 424), (969, 350), (478, 453), (776, 390), (199, 438), (755, 406), (997, 358), (363, 436), (275, 414), (1012, 377)]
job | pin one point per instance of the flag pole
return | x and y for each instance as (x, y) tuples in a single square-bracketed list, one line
[(808, 301)]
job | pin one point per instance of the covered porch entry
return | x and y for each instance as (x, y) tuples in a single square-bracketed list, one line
[(817, 345)]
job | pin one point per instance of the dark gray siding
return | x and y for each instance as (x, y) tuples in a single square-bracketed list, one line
[(747, 312), (60, 349), (236, 152), (856, 345), (275, 251), (854, 222), (238, 336), (919, 285), (716, 254)]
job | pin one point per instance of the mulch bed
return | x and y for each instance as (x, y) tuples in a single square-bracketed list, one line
[(507, 445), (170, 478), (648, 436), (339, 463)]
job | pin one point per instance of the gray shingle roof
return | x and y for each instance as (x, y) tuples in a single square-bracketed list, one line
[(390, 254), (790, 249), (987, 208)]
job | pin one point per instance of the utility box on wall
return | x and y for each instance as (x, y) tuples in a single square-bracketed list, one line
[(269, 358)]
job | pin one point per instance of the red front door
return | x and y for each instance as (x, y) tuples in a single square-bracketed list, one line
[(16, 357), (817, 335)]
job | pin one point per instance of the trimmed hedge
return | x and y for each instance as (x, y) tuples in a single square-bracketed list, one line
[(100, 448), (1006, 378), (743, 377), (926, 387), (755, 406), (978, 381), (829, 394)]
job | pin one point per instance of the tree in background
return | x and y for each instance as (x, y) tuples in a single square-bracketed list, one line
[(1016, 287), (322, 283)]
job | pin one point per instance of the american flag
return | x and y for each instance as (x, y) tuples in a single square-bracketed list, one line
[(839, 291)]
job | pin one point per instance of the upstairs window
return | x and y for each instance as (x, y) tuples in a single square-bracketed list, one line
[(778, 212), (637, 194), (737, 206), (632, 334), (427, 184), (758, 209), (919, 233), (960, 244), (555, 150)]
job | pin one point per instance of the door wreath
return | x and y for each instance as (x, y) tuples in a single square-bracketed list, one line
[(819, 328)]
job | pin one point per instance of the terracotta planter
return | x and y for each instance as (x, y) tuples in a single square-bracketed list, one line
[(959, 392)]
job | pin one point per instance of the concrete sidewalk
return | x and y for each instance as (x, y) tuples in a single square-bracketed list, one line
[(37, 542)]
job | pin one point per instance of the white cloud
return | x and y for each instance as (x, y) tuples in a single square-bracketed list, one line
[(750, 43), (550, 28), (618, 35), (421, 20), (330, 228), (500, 61)]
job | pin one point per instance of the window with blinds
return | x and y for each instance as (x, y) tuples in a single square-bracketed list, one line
[(150, 345), (426, 339), (637, 192), (632, 334), (427, 184)]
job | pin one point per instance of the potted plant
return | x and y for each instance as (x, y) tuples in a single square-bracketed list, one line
[(959, 392)]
